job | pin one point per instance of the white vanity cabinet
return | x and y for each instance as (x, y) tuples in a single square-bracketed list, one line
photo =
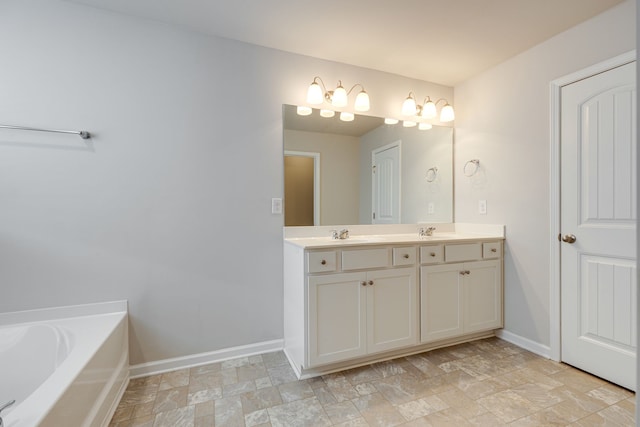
[(458, 298), (355, 314), (349, 303)]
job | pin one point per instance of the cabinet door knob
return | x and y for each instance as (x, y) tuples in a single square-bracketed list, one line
[(405, 256), (370, 282), (363, 283), (433, 254), (494, 250), (323, 262), (462, 273), (467, 272)]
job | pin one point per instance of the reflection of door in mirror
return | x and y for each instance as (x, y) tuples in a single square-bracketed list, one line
[(385, 170), (301, 183)]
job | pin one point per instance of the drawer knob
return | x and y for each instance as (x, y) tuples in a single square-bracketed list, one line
[(323, 262), (370, 282), (405, 256), (433, 254), (464, 272), (363, 283), (494, 250)]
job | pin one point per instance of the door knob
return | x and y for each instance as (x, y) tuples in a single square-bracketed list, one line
[(569, 238)]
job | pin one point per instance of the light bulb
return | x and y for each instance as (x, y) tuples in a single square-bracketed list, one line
[(303, 110), (390, 121), (345, 116), (339, 98), (424, 126), (447, 114), (327, 113), (314, 94), (429, 109), (362, 101), (408, 124), (409, 107)]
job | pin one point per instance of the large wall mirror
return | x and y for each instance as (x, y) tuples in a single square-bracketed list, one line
[(365, 171)]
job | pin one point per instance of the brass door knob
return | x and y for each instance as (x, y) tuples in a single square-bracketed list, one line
[(569, 238)]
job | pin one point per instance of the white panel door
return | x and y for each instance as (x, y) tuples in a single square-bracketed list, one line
[(598, 220), (385, 171), (392, 301), (336, 317), (441, 288)]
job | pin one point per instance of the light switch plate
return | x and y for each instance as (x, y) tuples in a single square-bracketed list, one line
[(276, 205), (482, 207)]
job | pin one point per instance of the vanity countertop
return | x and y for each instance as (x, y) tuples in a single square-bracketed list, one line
[(388, 239)]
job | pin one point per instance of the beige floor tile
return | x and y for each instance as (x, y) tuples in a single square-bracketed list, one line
[(483, 383)]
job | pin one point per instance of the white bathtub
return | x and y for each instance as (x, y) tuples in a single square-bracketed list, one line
[(66, 366)]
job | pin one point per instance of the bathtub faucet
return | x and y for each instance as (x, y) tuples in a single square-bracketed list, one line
[(3, 407)]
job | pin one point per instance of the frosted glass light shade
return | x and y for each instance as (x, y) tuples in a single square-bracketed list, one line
[(345, 116), (314, 94), (409, 107), (339, 98), (408, 124), (447, 114), (429, 110), (362, 102), (303, 110), (327, 113), (424, 126), (390, 121)]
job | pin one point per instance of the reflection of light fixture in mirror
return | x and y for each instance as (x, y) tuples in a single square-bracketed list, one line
[(428, 108), (318, 93), (303, 110), (345, 116), (425, 126), (390, 121), (408, 124), (327, 113)]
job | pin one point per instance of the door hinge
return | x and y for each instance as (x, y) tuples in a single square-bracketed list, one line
[(373, 169)]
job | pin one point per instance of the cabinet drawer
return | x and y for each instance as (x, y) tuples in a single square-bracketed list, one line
[(365, 258), (320, 262), (404, 256), (491, 250), (463, 252), (431, 254)]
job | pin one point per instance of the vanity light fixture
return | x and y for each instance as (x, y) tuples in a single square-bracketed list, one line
[(339, 98), (345, 116), (390, 121), (327, 113), (303, 110), (428, 108)]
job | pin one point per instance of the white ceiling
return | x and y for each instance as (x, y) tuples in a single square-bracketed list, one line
[(442, 41)]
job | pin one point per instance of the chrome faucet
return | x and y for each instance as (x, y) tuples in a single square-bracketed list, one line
[(335, 235), (426, 231), (3, 407)]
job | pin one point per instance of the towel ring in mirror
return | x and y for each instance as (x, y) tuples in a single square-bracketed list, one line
[(471, 167), (432, 173)]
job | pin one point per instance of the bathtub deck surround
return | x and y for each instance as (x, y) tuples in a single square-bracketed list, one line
[(64, 366), (488, 382), (373, 297)]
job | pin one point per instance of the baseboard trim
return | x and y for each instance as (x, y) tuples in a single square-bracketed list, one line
[(167, 365), (526, 343)]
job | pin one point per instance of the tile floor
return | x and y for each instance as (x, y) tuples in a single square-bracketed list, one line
[(484, 383)]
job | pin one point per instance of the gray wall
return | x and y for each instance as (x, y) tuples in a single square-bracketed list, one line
[(502, 118), (169, 205)]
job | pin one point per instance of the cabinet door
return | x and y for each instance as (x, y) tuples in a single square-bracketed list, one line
[(441, 301), (483, 296), (336, 317), (392, 320)]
